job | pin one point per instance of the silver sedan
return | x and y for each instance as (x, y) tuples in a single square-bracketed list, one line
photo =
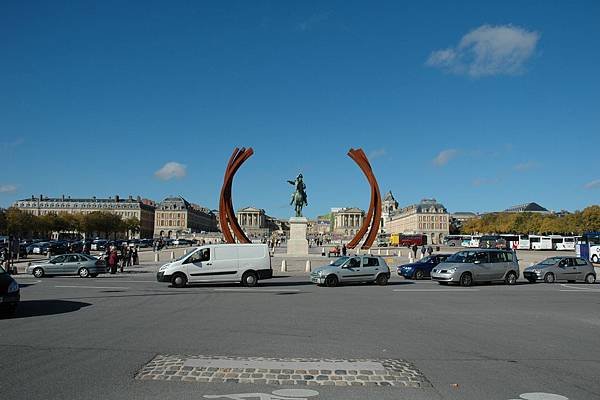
[(69, 264), (570, 269)]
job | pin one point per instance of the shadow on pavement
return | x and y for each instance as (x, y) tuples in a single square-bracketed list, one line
[(36, 308)]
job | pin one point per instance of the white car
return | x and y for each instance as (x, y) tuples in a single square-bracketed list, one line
[(244, 263)]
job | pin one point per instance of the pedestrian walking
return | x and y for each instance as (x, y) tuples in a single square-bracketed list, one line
[(113, 259), (429, 250), (414, 250), (423, 251), (135, 255), (344, 249)]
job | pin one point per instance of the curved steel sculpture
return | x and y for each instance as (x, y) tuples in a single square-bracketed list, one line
[(231, 228), (227, 218), (373, 218)]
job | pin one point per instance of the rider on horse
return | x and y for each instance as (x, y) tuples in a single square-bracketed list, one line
[(299, 196)]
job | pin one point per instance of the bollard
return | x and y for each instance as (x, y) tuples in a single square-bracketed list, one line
[(369, 251), (378, 252), (399, 253), (387, 252), (323, 251), (156, 257), (308, 267), (358, 251), (172, 255), (283, 266)]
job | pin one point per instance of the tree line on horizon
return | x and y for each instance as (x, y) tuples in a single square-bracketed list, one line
[(587, 220), (22, 224)]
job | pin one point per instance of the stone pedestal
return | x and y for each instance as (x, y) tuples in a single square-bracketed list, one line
[(297, 244)]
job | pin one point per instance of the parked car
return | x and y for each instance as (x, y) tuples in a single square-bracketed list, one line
[(352, 269), (421, 268), (245, 263), (69, 264), (98, 245), (182, 242), (479, 265), (37, 248), (554, 269), (9, 293), (145, 243)]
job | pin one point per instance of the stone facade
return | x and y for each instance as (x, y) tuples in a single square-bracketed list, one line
[(388, 207), (175, 217), (130, 207), (427, 217), (347, 221)]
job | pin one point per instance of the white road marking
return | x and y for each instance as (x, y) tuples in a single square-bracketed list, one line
[(437, 290), (254, 290), (92, 287), (573, 287)]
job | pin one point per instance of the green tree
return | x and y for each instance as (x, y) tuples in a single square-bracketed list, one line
[(132, 226), (19, 223), (3, 223)]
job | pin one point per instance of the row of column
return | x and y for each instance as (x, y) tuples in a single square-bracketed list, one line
[(249, 219)]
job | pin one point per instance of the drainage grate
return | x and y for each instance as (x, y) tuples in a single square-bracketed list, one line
[(284, 371)]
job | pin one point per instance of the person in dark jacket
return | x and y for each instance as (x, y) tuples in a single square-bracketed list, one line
[(344, 249)]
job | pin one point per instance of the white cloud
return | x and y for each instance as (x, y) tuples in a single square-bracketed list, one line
[(488, 50), (595, 184), (377, 153), (525, 166), (310, 22), (444, 156), (8, 188), (171, 170)]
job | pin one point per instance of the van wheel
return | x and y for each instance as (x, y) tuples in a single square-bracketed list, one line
[(511, 278), (595, 259), (419, 274), (38, 272), (590, 278), (179, 280), (549, 277), (249, 279), (381, 279), (466, 279), (331, 281)]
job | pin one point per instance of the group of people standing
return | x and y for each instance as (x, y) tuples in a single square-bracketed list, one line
[(424, 250), (115, 259)]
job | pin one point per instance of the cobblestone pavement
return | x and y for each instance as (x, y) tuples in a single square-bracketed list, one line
[(301, 371)]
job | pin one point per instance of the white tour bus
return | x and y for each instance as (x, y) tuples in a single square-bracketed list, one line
[(517, 242), (472, 242), (244, 263), (540, 242), (564, 242)]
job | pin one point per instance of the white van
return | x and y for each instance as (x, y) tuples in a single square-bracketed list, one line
[(245, 263)]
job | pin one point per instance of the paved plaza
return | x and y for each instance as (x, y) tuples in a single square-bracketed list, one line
[(130, 337)]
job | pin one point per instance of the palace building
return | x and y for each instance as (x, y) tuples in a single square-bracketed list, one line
[(175, 216)]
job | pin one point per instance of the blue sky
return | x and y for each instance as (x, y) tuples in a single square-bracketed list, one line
[(481, 105)]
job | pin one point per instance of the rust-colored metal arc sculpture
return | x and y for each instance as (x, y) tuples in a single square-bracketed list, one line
[(227, 218), (373, 217)]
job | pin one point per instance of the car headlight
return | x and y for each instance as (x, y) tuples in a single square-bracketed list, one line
[(13, 287), (451, 270), (164, 267)]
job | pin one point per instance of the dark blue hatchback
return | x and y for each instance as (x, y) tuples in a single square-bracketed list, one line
[(422, 268)]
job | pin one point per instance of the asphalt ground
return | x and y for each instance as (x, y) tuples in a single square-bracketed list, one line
[(75, 338)]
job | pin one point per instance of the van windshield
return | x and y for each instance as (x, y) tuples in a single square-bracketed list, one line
[(186, 255)]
